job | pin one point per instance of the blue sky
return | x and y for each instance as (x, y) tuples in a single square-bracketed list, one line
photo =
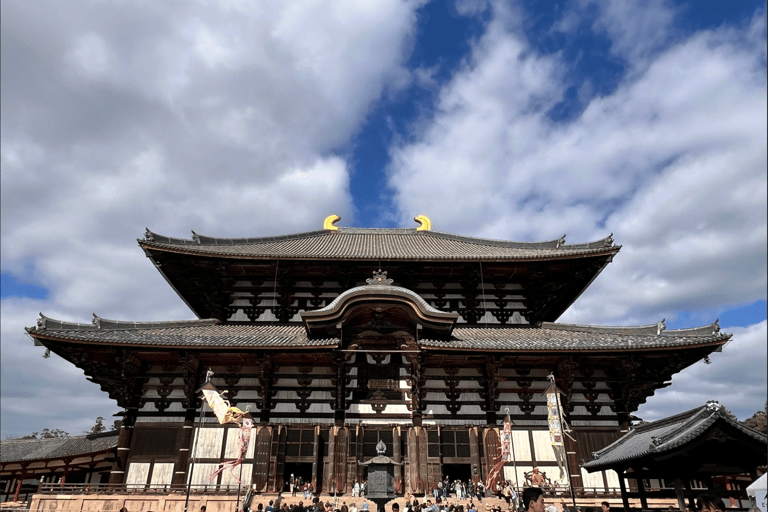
[(509, 120)]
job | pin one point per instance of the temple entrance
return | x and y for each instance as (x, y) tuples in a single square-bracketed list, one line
[(455, 472), (301, 471)]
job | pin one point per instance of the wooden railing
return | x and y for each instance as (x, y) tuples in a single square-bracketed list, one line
[(208, 489)]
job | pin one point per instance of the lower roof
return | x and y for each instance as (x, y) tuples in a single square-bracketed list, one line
[(20, 450), (655, 439), (205, 334)]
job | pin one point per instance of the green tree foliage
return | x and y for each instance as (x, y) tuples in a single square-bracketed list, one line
[(758, 421), (47, 434), (98, 427)]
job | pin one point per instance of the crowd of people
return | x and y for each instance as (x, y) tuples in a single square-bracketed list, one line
[(452, 496)]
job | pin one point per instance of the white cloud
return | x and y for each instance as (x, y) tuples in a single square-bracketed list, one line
[(225, 119), (91, 56), (673, 162), (637, 29)]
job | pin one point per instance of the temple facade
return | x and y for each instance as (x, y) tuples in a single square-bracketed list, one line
[(337, 339)]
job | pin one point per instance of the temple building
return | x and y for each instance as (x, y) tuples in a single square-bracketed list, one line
[(340, 338)]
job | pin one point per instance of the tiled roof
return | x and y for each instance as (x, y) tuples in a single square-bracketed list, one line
[(390, 244), (188, 333), (14, 450), (568, 337), (210, 333), (664, 435)]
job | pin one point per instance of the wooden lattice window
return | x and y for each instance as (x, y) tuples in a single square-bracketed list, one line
[(154, 441), (371, 438), (300, 443), (455, 443)]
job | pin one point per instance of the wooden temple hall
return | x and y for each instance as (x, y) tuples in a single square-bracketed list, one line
[(336, 339)]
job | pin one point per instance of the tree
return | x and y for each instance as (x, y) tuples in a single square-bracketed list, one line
[(728, 414), (98, 427), (48, 434), (758, 421)]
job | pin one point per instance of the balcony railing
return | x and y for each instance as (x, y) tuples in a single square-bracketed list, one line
[(208, 489)]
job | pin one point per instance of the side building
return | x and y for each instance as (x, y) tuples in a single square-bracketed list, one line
[(339, 338)]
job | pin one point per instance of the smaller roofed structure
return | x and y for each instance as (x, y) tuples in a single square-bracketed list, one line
[(77, 459), (697, 445)]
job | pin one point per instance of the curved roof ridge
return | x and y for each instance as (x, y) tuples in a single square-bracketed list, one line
[(105, 323), (650, 329), (704, 418), (709, 329), (378, 287), (197, 239), (657, 329), (676, 418), (45, 323)]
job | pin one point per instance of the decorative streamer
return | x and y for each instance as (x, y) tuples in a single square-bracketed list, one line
[(506, 454), (227, 413), (557, 426)]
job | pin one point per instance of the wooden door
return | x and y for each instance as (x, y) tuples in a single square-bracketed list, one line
[(261, 462)]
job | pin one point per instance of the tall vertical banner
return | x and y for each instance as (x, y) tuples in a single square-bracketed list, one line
[(506, 440), (557, 426), (506, 455)]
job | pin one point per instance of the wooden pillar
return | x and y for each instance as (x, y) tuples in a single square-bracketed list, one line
[(623, 487), (339, 392), (117, 474), (679, 493), (265, 389), (315, 454), (574, 475), (331, 473), (397, 457), (18, 487), (643, 496), (474, 453), (416, 380), (688, 490), (185, 447)]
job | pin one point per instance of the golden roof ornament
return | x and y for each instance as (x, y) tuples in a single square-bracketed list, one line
[(329, 222), (425, 223)]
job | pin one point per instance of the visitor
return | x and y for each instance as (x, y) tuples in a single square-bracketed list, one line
[(533, 499), (709, 503), (605, 506)]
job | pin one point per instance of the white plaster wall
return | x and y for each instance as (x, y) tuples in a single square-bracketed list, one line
[(232, 450), (593, 479), (201, 474), (543, 446), (162, 474), (521, 445), (209, 442), (137, 474), (244, 475)]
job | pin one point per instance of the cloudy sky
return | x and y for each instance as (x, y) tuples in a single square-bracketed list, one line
[(518, 120)]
